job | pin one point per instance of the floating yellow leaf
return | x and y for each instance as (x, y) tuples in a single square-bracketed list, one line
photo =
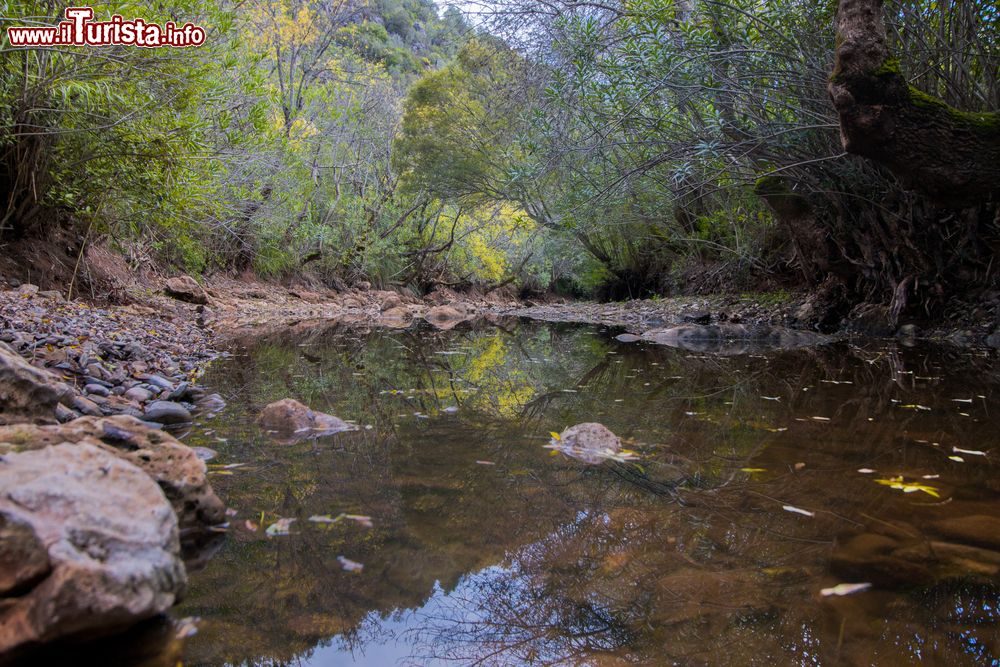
[(908, 487), (753, 469)]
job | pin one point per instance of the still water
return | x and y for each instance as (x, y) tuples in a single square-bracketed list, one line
[(763, 478)]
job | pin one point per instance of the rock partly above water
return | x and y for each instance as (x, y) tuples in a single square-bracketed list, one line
[(733, 338), (88, 545), (290, 419), (175, 467), (589, 442)]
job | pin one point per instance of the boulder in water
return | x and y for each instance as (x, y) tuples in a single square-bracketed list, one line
[(589, 442), (289, 418)]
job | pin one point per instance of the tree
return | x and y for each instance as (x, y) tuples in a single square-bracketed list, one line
[(950, 155)]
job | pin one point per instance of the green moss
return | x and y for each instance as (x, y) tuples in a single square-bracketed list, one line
[(984, 121), (890, 66)]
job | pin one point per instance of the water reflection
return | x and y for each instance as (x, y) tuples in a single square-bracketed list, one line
[(486, 549)]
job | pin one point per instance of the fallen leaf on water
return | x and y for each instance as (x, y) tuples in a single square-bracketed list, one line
[(973, 452), (845, 589), (486, 463), (820, 419), (777, 430), (961, 400), (797, 510), (771, 398), (959, 459), (865, 471), (279, 527), (350, 565), (187, 627), (930, 476), (365, 521), (800, 465), (753, 469), (908, 487), (914, 406)]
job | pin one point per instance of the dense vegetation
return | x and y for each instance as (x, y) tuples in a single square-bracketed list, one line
[(622, 148)]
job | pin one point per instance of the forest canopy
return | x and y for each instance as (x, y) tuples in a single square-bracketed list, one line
[(619, 149)]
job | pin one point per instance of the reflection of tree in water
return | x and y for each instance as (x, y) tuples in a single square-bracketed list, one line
[(687, 558)]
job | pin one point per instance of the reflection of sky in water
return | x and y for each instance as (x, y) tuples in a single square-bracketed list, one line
[(685, 556)]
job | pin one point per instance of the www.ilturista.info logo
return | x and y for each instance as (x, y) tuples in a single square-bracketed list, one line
[(80, 30)]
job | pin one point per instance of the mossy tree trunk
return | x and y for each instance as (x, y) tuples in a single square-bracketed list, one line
[(951, 156)]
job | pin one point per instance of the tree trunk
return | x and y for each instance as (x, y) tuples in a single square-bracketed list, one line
[(951, 156)]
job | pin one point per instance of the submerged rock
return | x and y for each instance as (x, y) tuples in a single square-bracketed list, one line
[(291, 419), (914, 561), (175, 467), (733, 338), (27, 393), (88, 545), (186, 288), (979, 529)]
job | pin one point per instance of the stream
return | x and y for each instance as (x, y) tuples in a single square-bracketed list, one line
[(763, 481)]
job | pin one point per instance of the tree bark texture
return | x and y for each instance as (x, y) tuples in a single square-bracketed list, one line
[(951, 156)]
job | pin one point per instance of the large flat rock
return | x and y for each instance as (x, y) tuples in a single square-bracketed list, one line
[(174, 466), (88, 543)]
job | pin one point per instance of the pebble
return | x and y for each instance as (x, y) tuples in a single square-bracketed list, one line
[(97, 390), (157, 381), (138, 394), (167, 412), (179, 393), (64, 414), (85, 406)]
